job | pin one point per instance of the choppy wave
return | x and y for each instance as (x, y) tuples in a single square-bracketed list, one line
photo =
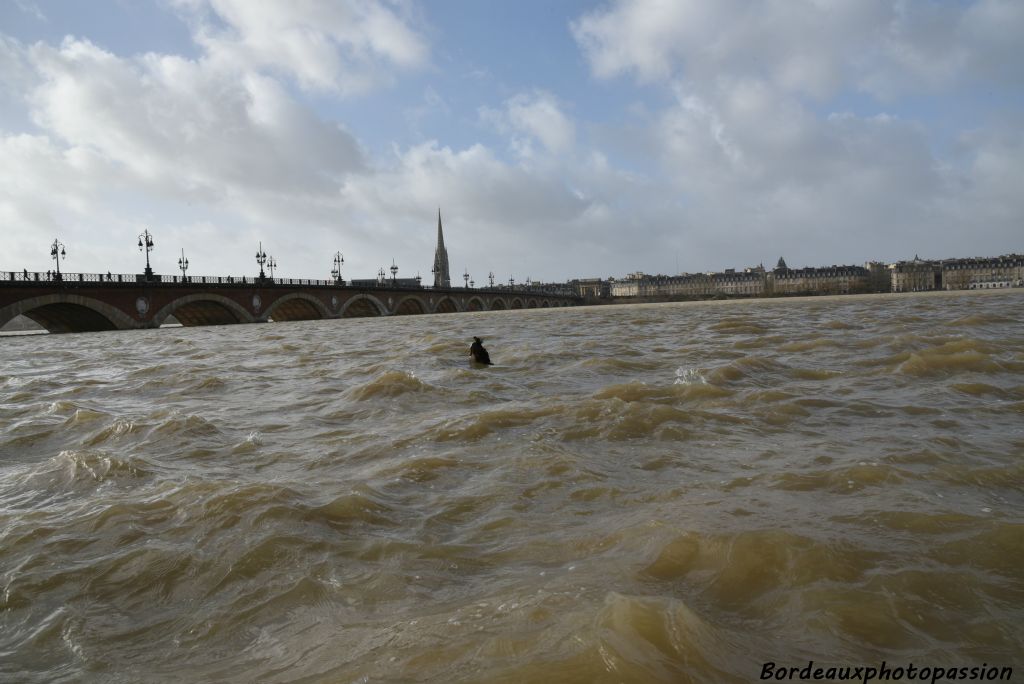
[(391, 383), (668, 493), (963, 357)]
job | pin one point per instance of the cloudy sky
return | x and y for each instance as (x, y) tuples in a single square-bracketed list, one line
[(560, 139)]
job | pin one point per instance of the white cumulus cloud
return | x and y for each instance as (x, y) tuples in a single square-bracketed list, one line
[(344, 47), (807, 46), (534, 116)]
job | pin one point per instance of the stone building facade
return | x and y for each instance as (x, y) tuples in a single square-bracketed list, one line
[(915, 275), (591, 288), (817, 281), (983, 273), (754, 282), (626, 287)]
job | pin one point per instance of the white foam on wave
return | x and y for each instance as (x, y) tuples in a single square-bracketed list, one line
[(689, 376), (74, 462), (122, 426)]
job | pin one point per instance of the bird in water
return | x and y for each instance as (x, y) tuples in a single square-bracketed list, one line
[(478, 352)]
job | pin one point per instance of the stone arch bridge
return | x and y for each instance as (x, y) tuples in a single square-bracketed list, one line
[(81, 302)]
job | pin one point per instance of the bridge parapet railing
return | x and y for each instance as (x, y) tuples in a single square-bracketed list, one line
[(50, 278), (506, 291), (313, 282), (134, 279)]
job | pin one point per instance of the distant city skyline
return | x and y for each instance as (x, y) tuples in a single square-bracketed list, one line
[(560, 140)]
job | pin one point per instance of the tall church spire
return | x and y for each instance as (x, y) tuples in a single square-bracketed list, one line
[(440, 270)]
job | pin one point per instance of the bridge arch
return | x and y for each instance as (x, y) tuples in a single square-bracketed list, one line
[(446, 305), (498, 304), (204, 308), (298, 306), (362, 306), (545, 304), (409, 305), (517, 303), (532, 304), (475, 304), (65, 312)]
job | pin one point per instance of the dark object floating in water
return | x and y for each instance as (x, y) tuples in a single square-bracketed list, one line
[(478, 352)]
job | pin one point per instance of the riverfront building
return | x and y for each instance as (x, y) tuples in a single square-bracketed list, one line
[(915, 275), (976, 273), (982, 273), (828, 280), (750, 282)]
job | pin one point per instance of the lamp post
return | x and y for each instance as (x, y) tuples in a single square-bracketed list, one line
[(511, 283), (261, 258), (183, 265), (57, 253), (336, 272), (465, 277), (394, 272), (146, 243), (380, 276), (490, 276), (472, 284), (271, 264)]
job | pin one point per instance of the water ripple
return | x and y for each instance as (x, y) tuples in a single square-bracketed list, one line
[(674, 492)]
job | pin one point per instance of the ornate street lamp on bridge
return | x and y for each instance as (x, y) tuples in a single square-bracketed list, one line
[(261, 258), (57, 253), (183, 265), (511, 283), (146, 242), (465, 277), (490, 276), (271, 264), (336, 272), (380, 276), (394, 272)]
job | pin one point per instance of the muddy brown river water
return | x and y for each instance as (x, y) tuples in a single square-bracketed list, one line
[(656, 493)]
